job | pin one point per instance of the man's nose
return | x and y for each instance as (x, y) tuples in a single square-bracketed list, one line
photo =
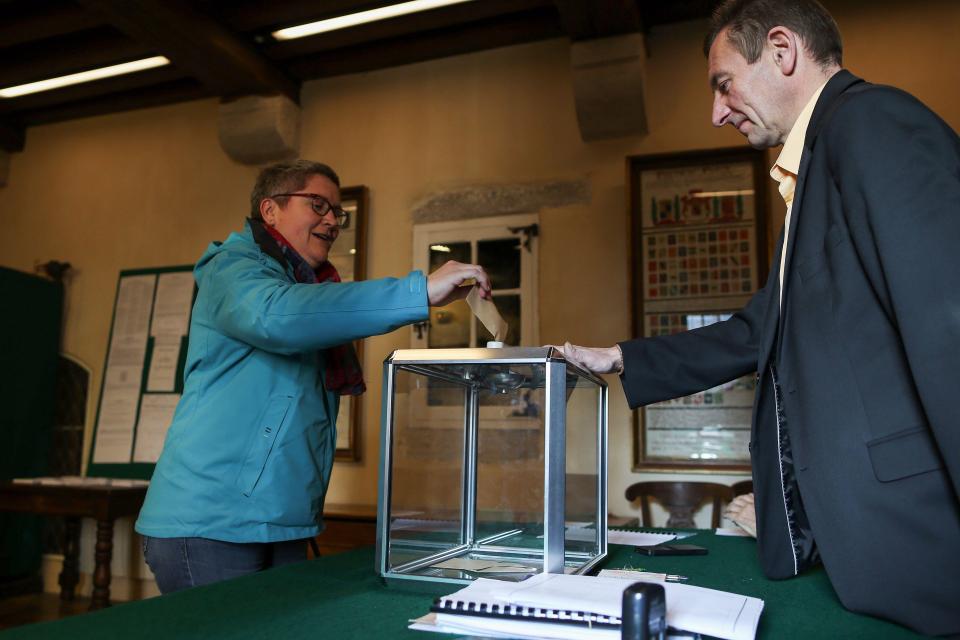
[(720, 111)]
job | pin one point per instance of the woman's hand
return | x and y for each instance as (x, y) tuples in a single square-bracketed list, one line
[(446, 283)]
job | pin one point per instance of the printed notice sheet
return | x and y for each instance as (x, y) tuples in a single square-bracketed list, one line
[(171, 319), (156, 414), (121, 385)]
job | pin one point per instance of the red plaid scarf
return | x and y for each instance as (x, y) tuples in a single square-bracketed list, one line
[(344, 375)]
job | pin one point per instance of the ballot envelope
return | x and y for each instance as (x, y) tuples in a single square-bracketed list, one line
[(493, 463)]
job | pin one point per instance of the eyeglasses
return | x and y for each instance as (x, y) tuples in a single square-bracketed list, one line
[(321, 206)]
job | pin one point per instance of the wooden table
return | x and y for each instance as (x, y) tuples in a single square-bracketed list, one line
[(102, 503)]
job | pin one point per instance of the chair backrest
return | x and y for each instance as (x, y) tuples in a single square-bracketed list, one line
[(742, 487), (680, 499)]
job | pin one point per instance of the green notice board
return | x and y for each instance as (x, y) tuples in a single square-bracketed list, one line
[(143, 370)]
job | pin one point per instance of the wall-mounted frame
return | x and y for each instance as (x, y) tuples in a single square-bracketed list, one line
[(698, 253), (349, 256)]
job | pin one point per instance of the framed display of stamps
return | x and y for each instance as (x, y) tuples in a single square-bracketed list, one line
[(698, 253)]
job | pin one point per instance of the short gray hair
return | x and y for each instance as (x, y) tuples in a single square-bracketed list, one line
[(748, 21), (286, 177)]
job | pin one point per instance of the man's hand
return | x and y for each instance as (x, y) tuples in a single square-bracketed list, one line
[(595, 359), (742, 513), (445, 284)]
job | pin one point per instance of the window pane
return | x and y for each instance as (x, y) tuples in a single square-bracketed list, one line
[(509, 308), (501, 259), (443, 251)]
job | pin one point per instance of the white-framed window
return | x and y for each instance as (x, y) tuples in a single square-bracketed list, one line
[(506, 246)]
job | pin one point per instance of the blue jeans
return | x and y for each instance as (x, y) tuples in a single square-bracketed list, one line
[(180, 563)]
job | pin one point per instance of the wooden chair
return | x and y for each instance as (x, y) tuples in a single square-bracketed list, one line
[(680, 499), (742, 487)]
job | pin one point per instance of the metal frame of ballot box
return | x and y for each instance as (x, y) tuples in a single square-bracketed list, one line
[(473, 369)]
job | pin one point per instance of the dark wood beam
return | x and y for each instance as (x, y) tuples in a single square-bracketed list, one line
[(656, 12), (12, 107), (588, 19), (417, 25), (507, 31), (249, 17), (39, 21), (12, 137), (71, 53), (220, 59), (154, 96)]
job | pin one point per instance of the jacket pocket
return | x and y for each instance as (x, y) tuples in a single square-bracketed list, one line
[(268, 426), (903, 454)]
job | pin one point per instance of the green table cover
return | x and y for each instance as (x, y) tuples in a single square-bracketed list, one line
[(341, 597)]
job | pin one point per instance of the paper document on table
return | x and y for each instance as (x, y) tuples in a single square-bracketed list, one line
[(706, 611), (487, 314), (620, 536)]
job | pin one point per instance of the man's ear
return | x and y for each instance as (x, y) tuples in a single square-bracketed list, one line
[(784, 45), (268, 211)]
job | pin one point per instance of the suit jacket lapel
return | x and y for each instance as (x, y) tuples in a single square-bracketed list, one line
[(829, 98)]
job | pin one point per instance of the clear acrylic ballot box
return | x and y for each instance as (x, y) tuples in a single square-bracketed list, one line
[(493, 463)]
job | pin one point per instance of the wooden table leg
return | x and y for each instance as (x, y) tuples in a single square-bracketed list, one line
[(101, 573), (70, 574)]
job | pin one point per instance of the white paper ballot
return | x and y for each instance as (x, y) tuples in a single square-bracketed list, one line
[(487, 314)]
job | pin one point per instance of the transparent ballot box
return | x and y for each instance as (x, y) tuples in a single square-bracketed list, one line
[(493, 463)]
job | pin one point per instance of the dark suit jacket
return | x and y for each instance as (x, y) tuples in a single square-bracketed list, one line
[(855, 442)]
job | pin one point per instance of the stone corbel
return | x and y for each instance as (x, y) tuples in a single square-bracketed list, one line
[(258, 130), (608, 88)]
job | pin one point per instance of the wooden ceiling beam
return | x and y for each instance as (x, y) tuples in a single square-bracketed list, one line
[(72, 53), (422, 24), (198, 44), (265, 16), (41, 22), (11, 107), (589, 19), (381, 54), (154, 96)]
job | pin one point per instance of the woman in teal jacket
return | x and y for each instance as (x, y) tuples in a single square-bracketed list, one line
[(241, 481)]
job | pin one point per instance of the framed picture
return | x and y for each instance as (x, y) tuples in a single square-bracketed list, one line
[(698, 253), (349, 256)]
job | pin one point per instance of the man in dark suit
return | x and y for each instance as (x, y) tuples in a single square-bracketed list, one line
[(855, 443)]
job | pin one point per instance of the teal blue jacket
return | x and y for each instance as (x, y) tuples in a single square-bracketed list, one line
[(248, 455)]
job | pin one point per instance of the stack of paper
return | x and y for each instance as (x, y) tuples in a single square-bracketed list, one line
[(556, 606)]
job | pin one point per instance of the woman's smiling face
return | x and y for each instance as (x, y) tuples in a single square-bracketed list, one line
[(310, 234)]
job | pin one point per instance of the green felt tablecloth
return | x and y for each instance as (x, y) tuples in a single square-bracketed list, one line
[(341, 597)]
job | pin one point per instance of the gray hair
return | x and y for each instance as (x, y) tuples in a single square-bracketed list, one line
[(286, 177), (748, 21)]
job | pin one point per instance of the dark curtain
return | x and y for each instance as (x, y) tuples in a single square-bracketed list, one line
[(30, 318)]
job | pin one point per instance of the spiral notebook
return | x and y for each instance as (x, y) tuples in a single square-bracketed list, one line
[(572, 607), (454, 605)]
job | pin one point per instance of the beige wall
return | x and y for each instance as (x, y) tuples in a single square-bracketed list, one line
[(152, 187)]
